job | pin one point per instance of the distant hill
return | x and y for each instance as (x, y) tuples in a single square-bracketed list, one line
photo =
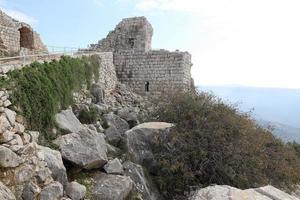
[(286, 132), (276, 106)]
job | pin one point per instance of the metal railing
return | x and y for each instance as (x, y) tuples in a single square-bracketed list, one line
[(53, 52)]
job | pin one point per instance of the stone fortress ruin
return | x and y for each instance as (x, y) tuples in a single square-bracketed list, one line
[(18, 38), (138, 66), (126, 56)]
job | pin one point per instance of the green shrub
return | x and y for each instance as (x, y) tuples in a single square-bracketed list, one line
[(88, 116), (213, 143), (41, 90)]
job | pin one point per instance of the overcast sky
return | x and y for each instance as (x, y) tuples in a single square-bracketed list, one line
[(243, 42)]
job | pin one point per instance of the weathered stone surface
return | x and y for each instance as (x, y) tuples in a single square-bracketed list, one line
[(139, 140), (117, 127), (16, 36), (4, 124), (34, 136), (11, 116), (274, 193), (54, 162), (114, 167), (85, 149), (143, 187), (53, 191), (130, 115), (67, 121), (112, 187), (8, 158), (23, 173), (5, 193), (31, 191), (98, 92), (114, 120), (224, 192), (75, 191), (6, 136), (137, 65)]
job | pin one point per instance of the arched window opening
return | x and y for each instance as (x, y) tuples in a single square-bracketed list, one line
[(147, 86), (26, 38)]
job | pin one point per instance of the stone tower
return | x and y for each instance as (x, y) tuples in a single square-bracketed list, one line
[(18, 37), (130, 34), (144, 70)]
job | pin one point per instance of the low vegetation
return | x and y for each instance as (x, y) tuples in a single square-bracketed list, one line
[(40, 90), (213, 143), (88, 116)]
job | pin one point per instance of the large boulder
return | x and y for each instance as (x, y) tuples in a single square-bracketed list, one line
[(86, 149), (111, 187), (54, 162), (224, 192), (114, 167), (67, 121), (8, 158), (53, 191), (130, 114), (75, 191), (116, 129), (30, 191), (140, 139), (145, 188), (114, 120), (5, 193)]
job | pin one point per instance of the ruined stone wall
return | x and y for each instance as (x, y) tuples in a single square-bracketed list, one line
[(18, 37), (107, 71), (130, 34), (164, 70)]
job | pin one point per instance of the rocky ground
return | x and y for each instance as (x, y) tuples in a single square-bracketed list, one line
[(99, 161)]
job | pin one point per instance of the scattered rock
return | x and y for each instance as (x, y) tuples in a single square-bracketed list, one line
[(112, 187), (225, 192), (98, 92), (114, 167), (34, 136), (23, 173), (114, 120), (75, 191), (31, 191), (8, 158), (101, 108), (139, 140), (147, 190), (53, 191), (130, 115), (6, 136), (54, 162), (67, 121), (5, 193), (4, 124), (11, 116), (116, 129), (85, 149)]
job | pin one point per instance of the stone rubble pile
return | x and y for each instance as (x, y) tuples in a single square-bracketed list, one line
[(26, 169)]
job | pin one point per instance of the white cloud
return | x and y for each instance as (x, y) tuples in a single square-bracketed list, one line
[(240, 41), (21, 16)]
